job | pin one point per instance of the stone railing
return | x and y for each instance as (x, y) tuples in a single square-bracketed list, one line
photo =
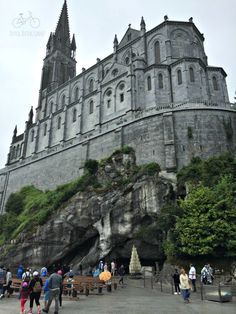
[(183, 105)]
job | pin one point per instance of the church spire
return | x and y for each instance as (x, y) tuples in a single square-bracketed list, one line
[(59, 65), (62, 33)]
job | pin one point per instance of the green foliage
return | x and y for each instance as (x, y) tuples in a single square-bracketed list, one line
[(33, 207), (14, 203), (207, 172), (124, 150), (91, 166), (208, 223), (191, 173), (150, 169)]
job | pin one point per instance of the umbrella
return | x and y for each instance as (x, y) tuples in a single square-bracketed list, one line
[(105, 276)]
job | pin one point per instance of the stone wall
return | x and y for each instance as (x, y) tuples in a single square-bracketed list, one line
[(169, 137)]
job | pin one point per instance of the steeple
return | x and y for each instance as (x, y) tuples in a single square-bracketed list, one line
[(62, 33), (59, 64)]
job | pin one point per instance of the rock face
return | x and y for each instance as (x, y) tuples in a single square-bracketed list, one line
[(99, 223)]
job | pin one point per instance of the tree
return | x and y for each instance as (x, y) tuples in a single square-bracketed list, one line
[(208, 223)]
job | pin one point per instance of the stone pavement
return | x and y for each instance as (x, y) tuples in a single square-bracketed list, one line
[(132, 299)]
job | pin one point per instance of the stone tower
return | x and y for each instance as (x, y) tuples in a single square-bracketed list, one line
[(59, 64)]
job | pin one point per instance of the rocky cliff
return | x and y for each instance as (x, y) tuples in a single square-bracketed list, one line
[(101, 222)]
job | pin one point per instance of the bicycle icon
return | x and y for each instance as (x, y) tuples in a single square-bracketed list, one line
[(34, 22)]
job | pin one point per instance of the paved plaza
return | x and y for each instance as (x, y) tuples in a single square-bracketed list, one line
[(131, 299)]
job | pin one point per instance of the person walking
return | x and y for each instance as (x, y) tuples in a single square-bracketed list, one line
[(184, 285), (35, 287), (54, 284), (61, 287), (121, 272), (24, 294), (204, 275), (7, 286), (113, 268), (192, 276), (46, 292), (27, 276), (176, 280), (2, 280)]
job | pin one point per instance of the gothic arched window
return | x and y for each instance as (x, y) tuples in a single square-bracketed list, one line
[(51, 106), (157, 52), (17, 150), (179, 75), (215, 83), (191, 75), (76, 94), (59, 123), (91, 106), (149, 83), (63, 100), (45, 129), (32, 135), (91, 85), (74, 115), (160, 80), (13, 152)]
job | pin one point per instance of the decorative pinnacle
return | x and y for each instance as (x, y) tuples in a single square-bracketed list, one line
[(142, 24)]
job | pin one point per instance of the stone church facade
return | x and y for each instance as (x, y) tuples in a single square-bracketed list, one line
[(155, 92)]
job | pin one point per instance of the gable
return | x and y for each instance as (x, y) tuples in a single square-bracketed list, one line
[(129, 36), (116, 70)]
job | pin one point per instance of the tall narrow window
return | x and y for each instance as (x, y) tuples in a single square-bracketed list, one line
[(91, 107), (14, 152), (59, 123), (76, 94), (74, 115), (149, 83), (45, 110), (63, 100), (108, 103), (215, 83), (157, 52), (160, 80), (122, 97), (45, 129), (51, 106), (179, 75), (32, 135), (17, 150), (191, 75), (91, 85)]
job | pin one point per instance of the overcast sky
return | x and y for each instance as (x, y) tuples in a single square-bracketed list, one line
[(95, 23)]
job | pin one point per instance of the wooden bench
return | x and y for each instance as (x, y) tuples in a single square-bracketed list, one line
[(83, 285)]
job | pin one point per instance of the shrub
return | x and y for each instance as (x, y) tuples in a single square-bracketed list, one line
[(151, 168), (91, 166)]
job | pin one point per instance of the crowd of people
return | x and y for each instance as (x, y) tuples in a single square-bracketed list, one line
[(184, 283), (35, 282), (32, 285)]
